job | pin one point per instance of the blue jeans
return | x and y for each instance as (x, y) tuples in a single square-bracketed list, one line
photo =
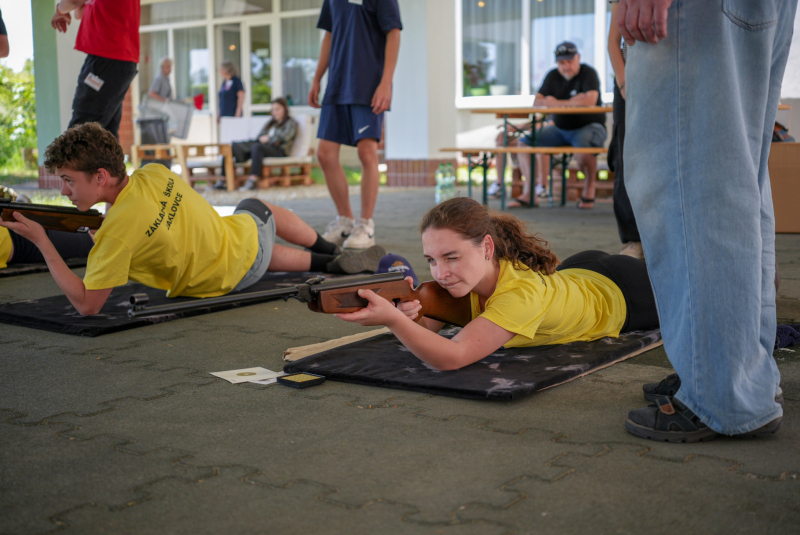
[(591, 135), (701, 105)]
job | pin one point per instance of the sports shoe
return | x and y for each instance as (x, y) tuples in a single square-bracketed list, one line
[(362, 236), (338, 230), (357, 261), (494, 189), (220, 184), (249, 185), (540, 191), (634, 249)]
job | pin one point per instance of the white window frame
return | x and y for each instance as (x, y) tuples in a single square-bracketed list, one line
[(272, 19), (528, 93)]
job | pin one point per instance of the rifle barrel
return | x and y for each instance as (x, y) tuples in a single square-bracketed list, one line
[(302, 292)]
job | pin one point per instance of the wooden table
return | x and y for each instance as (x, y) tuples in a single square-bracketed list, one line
[(537, 115)]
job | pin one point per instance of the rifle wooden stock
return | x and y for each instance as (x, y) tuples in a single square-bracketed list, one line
[(437, 303), (63, 218), (333, 296)]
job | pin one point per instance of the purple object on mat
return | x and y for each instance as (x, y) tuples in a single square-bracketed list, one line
[(787, 335), (393, 263)]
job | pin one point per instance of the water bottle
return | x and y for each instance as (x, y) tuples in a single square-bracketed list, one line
[(450, 173), (441, 192)]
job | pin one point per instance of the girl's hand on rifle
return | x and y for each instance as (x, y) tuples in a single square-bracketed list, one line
[(26, 228), (379, 311), (410, 308)]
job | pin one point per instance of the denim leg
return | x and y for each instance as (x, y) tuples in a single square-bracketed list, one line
[(700, 110)]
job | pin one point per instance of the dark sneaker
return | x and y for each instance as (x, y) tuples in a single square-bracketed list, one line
[(220, 185)]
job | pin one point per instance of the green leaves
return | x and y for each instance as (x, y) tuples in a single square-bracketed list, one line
[(17, 115)]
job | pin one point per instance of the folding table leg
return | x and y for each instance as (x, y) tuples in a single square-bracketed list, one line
[(469, 175)]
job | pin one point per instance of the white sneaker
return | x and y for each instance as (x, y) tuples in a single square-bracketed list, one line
[(338, 230), (362, 236), (540, 191), (494, 189)]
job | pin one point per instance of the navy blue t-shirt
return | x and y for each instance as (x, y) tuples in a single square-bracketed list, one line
[(228, 98), (358, 47)]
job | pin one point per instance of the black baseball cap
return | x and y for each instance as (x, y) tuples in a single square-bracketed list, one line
[(566, 50)]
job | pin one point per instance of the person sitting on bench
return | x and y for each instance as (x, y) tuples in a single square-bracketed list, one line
[(520, 296), (160, 232), (274, 141), (572, 83)]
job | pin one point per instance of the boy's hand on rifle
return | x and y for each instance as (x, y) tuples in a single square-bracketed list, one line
[(379, 311), (26, 228)]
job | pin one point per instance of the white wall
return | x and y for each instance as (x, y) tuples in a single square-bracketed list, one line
[(407, 124), (70, 62)]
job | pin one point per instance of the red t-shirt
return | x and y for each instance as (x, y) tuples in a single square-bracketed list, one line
[(110, 29)]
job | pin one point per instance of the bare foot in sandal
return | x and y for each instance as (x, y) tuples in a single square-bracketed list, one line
[(586, 204), (520, 202)]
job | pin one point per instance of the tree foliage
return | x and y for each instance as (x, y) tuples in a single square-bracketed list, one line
[(17, 114)]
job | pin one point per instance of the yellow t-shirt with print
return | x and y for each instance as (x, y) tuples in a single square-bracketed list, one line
[(5, 247), (162, 233), (567, 306)]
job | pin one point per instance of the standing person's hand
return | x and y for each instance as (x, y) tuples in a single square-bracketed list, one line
[(313, 95), (643, 20), (263, 139), (60, 21), (382, 98)]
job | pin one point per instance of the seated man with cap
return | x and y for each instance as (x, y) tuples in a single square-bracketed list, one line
[(160, 232), (572, 83)]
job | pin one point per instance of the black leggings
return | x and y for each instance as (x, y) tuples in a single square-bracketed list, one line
[(630, 275), (68, 244), (256, 152)]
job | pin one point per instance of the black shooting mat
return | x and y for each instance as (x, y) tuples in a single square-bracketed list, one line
[(505, 375), (56, 314), (23, 269)]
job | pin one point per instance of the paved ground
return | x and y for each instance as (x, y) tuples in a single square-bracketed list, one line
[(127, 433)]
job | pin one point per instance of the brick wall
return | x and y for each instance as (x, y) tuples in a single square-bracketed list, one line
[(413, 172), (126, 138)]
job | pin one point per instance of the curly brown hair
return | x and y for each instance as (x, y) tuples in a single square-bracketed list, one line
[(510, 235), (86, 148)]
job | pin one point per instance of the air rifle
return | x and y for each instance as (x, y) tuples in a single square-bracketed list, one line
[(332, 296), (53, 217)]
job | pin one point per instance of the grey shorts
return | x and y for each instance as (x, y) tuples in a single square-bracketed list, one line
[(266, 242)]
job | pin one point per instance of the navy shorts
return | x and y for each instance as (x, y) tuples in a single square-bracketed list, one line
[(347, 124)]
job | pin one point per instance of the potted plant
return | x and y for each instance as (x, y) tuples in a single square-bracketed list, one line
[(475, 83)]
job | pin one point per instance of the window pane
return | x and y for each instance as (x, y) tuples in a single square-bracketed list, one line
[(153, 46), (291, 5), (554, 21), (173, 11), (227, 8), (300, 41), (492, 33), (191, 64), (260, 65)]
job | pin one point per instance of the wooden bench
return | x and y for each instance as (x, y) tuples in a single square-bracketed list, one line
[(284, 171), (563, 153)]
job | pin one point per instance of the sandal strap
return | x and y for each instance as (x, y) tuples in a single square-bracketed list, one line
[(673, 413)]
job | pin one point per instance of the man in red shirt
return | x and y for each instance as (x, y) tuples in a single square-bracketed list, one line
[(109, 34)]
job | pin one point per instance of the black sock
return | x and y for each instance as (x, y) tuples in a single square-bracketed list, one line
[(323, 246), (319, 262)]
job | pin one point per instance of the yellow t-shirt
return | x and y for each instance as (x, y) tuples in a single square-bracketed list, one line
[(5, 247), (162, 233), (567, 306)]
